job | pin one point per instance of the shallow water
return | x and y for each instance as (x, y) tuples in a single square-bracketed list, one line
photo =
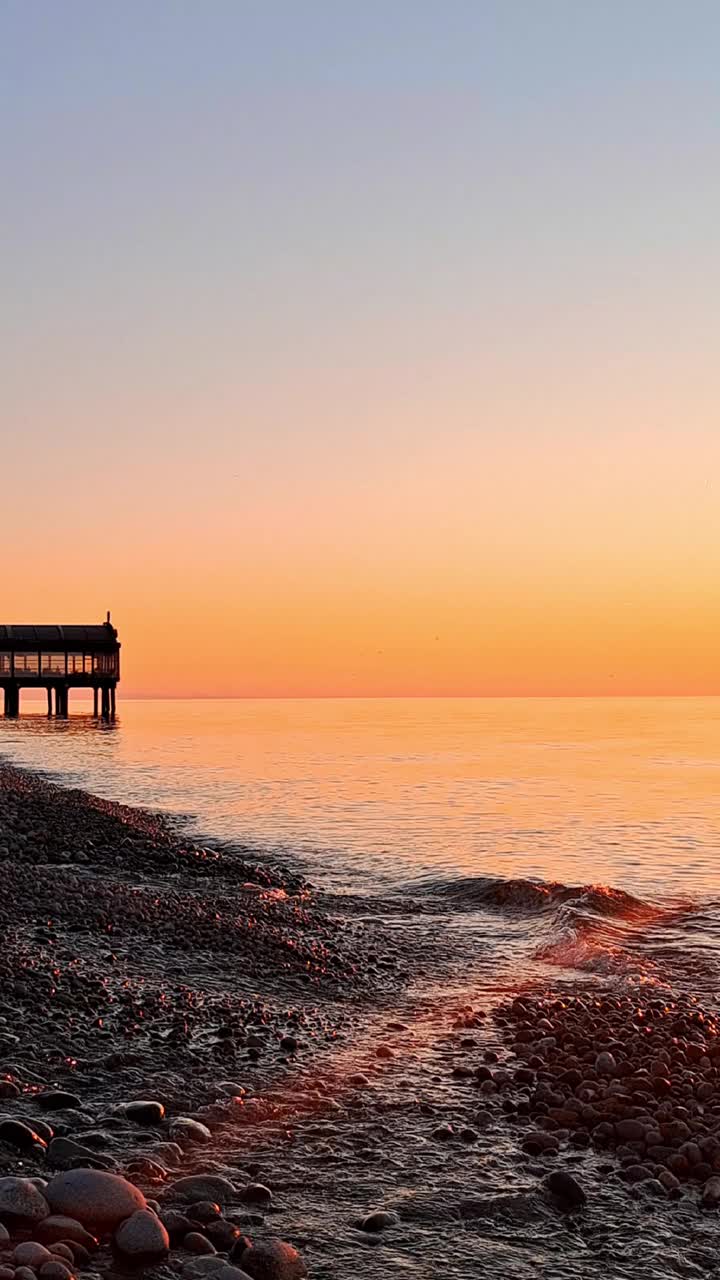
[(502, 843), (458, 805)]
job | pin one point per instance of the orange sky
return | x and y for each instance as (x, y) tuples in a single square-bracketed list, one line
[(365, 349)]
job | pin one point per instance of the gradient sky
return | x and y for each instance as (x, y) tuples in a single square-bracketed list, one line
[(365, 347)]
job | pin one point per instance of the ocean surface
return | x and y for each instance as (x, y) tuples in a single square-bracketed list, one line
[(586, 829)]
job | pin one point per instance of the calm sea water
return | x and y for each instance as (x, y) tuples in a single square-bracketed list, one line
[(623, 792)]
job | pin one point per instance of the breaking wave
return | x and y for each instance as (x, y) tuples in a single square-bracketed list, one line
[(593, 927)]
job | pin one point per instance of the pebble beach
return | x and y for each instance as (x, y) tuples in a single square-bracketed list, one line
[(208, 1065)]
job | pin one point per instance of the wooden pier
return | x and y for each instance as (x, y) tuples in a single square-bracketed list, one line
[(59, 659)]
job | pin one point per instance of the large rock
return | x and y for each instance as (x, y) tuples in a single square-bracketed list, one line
[(142, 1236), (272, 1260), (97, 1199), (20, 1198), (201, 1186)]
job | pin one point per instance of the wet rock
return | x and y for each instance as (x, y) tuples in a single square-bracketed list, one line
[(226, 1271), (60, 1227), (195, 1242), (185, 1130), (65, 1153), (4, 1236), (63, 1251), (565, 1189), (145, 1112), (711, 1193), (443, 1133), (142, 1236), (54, 1270), (20, 1135), (222, 1234), (379, 1220), (175, 1223), (31, 1254), (58, 1100), (201, 1186), (8, 1273), (204, 1211), (605, 1064), (256, 1193), (272, 1260), (20, 1198), (25, 1273), (95, 1198)]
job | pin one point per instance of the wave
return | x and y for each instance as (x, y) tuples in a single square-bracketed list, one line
[(592, 927), (534, 896)]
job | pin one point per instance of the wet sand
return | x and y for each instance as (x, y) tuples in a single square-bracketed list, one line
[(333, 1080)]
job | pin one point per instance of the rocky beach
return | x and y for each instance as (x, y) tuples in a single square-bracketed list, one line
[(207, 1065)]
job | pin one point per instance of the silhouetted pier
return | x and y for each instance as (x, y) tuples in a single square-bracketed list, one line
[(59, 659)]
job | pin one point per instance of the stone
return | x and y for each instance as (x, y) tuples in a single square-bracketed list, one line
[(203, 1266), (175, 1223), (25, 1273), (142, 1236), (256, 1193), (59, 1227), (20, 1135), (31, 1254), (630, 1130), (711, 1193), (201, 1186), (58, 1100), (4, 1236), (55, 1270), (20, 1198), (358, 1081), (64, 1252), (145, 1112), (8, 1273), (204, 1211), (563, 1187), (378, 1220), (605, 1064), (97, 1199), (272, 1260), (222, 1234), (196, 1242), (226, 1271), (184, 1129), (65, 1153)]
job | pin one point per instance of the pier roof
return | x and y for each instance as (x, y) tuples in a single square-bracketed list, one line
[(59, 637)]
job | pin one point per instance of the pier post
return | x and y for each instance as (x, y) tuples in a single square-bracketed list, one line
[(49, 700), (95, 701), (105, 703), (112, 701)]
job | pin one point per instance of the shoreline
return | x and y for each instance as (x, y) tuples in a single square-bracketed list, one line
[(170, 1010), (138, 964)]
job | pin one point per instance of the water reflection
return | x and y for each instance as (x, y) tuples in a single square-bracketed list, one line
[(618, 791)]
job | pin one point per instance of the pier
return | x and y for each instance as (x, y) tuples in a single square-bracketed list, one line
[(58, 659)]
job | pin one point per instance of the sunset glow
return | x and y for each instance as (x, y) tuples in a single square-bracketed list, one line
[(363, 374)]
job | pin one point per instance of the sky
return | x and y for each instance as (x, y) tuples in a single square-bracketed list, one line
[(365, 348)]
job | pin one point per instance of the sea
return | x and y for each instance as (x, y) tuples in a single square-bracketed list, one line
[(545, 836)]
